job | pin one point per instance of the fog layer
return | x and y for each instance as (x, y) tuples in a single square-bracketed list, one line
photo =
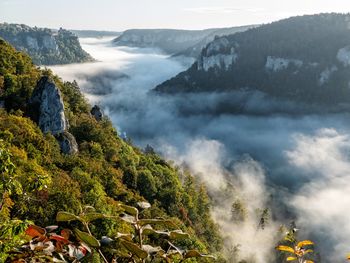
[(294, 164)]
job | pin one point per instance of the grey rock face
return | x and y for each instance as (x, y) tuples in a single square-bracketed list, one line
[(218, 54), (97, 113), (32, 43), (47, 109), (67, 143), (47, 104), (49, 42)]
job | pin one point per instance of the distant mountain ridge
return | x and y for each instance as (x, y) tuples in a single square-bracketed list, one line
[(45, 46), (304, 59), (173, 41), (95, 33)]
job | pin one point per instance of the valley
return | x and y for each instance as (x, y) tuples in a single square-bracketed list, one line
[(265, 150), (174, 131)]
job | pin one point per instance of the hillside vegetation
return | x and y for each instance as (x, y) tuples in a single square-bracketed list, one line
[(38, 181)]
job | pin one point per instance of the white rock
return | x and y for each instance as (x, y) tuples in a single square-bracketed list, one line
[(216, 55), (220, 61), (277, 64)]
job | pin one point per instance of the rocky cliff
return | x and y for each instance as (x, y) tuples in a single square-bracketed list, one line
[(47, 109), (45, 46), (304, 59)]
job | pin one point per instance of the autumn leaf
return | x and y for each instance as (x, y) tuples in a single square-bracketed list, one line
[(304, 243), (285, 248), (35, 231)]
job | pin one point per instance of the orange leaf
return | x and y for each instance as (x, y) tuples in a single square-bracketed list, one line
[(35, 231), (59, 238)]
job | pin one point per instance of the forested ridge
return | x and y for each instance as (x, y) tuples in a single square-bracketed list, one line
[(45, 46), (304, 59)]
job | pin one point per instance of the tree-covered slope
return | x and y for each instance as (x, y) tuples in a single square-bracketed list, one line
[(187, 43), (37, 180), (45, 46), (305, 59)]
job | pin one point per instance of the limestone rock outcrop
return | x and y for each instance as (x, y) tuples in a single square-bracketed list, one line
[(47, 107), (47, 110)]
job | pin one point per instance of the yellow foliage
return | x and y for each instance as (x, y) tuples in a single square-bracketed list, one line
[(285, 248), (304, 243)]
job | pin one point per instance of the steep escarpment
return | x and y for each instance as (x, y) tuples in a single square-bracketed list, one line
[(106, 171), (187, 43), (45, 46), (303, 59)]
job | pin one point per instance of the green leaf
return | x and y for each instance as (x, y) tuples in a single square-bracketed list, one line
[(149, 231), (124, 236), (128, 218), (92, 216), (87, 238), (66, 217), (134, 249), (178, 235), (130, 209)]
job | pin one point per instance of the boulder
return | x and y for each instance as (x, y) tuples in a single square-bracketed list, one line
[(67, 143), (97, 113)]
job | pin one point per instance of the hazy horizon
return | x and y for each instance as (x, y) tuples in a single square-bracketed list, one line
[(118, 15)]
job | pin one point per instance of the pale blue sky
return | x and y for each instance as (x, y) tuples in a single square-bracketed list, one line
[(188, 14)]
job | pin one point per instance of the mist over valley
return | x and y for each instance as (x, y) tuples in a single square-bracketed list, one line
[(287, 154)]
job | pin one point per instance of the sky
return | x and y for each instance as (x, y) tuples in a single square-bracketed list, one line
[(119, 15)]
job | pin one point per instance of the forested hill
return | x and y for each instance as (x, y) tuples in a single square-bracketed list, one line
[(41, 117), (45, 46), (176, 42), (304, 58)]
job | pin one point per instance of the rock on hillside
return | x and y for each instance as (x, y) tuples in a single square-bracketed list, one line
[(47, 109)]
